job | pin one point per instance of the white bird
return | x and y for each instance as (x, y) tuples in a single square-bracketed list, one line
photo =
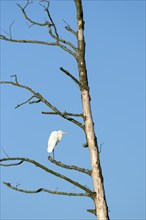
[(54, 138)]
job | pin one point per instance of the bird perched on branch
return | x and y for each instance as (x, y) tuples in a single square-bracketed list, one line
[(54, 138)]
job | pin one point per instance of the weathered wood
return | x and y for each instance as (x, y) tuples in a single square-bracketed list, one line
[(98, 185)]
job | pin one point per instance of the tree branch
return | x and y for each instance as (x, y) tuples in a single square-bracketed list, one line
[(45, 190), (23, 103), (28, 2), (43, 100), (72, 167), (93, 211), (35, 101), (30, 20), (59, 40), (12, 164), (65, 48), (66, 117), (51, 20), (68, 28), (70, 75), (15, 77), (87, 190), (2, 37), (64, 113), (4, 151), (10, 29), (50, 25)]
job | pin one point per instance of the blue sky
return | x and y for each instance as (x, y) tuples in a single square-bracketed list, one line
[(115, 57)]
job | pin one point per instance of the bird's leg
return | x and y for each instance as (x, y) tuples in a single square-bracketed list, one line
[(53, 155)]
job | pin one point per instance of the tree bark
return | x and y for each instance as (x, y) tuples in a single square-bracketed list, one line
[(98, 185)]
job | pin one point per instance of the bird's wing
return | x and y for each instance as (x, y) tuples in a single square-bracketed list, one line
[(53, 139)]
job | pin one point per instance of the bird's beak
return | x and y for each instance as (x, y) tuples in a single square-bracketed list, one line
[(64, 132)]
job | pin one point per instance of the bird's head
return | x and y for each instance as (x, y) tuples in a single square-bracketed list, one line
[(62, 132)]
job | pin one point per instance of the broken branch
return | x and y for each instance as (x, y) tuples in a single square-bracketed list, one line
[(70, 75), (93, 211)]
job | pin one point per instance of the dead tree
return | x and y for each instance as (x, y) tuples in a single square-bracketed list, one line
[(78, 53)]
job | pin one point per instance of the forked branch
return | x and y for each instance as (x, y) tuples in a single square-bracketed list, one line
[(52, 24), (42, 99), (65, 45), (77, 184), (23, 103), (57, 43)]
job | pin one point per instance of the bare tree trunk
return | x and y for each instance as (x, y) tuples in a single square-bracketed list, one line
[(98, 185)]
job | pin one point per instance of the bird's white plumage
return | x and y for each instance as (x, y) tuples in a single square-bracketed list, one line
[(54, 138)]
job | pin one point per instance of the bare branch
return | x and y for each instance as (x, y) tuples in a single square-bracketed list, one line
[(56, 36), (4, 151), (35, 101), (30, 20), (87, 190), (65, 48), (66, 117), (28, 3), (50, 25), (50, 18), (23, 103), (70, 75), (2, 37), (85, 145), (59, 40), (72, 167), (15, 77), (10, 29), (45, 190), (93, 211), (64, 113), (5, 32), (68, 28), (43, 100), (12, 164)]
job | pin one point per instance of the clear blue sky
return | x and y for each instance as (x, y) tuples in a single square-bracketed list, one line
[(115, 56)]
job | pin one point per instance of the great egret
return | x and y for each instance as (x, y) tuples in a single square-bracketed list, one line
[(54, 138)]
